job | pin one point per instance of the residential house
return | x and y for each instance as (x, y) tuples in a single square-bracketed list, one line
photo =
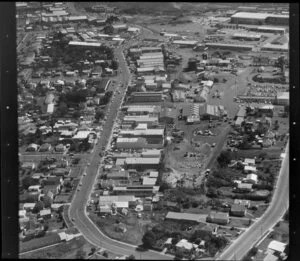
[(245, 187), (218, 218), (28, 206), (45, 147), (60, 148), (251, 178), (32, 147), (61, 172), (250, 169), (238, 210), (45, 214), (184, 245), (53, 180), (195, 218), (242, 202), (55, 189), (277, 247)]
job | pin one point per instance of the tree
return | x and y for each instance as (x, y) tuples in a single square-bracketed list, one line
[(179, 254), (149, 239), (93, 250), (131, 257), (114, 65), (105, 254), (80, 254), (224, 158), (108, 29), (76, 114), (27, 182), (38, 207), (99, 114), (47, 201)]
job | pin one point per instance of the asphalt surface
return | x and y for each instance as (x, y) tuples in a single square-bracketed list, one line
[(77, 209), (279, 205)]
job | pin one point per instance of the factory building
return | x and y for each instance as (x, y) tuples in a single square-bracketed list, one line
[(146, 96), (259, 18), (236, 47)]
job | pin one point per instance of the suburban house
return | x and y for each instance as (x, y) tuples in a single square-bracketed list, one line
[(185, 245), (55, 189), (238, 210), (32, 147), (45, 147), (218, 218), (251, 178), (246, 187), (61, 172), (277, 247), (45, 214), (249, 169), (195, 218), (242, 202)]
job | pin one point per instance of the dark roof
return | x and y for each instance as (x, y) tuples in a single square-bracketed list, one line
[(238, 208)]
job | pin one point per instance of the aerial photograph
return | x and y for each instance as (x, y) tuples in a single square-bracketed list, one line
[(153, 130)]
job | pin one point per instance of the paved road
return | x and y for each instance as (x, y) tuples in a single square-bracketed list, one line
[(77, 209), (277, 208)]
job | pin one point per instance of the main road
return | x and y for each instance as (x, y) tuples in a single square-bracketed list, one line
[(77, 211), (277, 208)]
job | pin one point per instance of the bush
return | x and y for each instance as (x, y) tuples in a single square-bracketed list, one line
[(149, 239)]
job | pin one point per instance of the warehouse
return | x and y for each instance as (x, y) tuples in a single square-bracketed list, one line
[(150, 49), (131, 143), (138, 191), (141, 119), (145, 71), (152, 136), (167, 115), (268, 29), (236, 47), (259, 18), (142, 163), (84, 44), (283, 98), (143, 110), (275, 47), (186, 43), (146, 97), (248, 37)]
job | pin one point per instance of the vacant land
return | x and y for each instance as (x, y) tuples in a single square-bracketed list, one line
[(74, 249)]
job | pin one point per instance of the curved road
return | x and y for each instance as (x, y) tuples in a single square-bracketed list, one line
[(77, 208), (279, 205)]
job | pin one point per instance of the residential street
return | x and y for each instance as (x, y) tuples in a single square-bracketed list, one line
[(77, 209), (277, 208)]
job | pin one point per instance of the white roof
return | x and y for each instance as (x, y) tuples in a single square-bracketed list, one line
[(82, 135), (121, 204), (250, 168), (169, 241), (283, 95), (270, 257), (84, 44), (277, 246), (249, 161), (252, 177), (147, 132), (133, 140), (149, 181), (247, 35), (184, 42), (151, 152), (22, 213), (250, 15), (50, 108), (34, 187), (185, 244), (145, 69), (153, 174), (142, 160), (45, 212), (28, 205)]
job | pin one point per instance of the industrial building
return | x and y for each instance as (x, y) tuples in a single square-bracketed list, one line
[(146, 96), (259, 18), (84, 44), (153, 110), (248, 37), (283, 98), (235, 47), (185, 43)]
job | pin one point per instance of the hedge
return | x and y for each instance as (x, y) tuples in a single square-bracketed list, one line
[(39, 242)]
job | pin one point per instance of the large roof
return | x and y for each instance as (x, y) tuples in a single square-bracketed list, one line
[(184, 216), (250, 15)]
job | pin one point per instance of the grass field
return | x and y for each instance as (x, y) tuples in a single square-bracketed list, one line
[(74, 249)]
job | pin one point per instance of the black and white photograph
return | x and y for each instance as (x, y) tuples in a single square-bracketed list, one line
[(153, 130)]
